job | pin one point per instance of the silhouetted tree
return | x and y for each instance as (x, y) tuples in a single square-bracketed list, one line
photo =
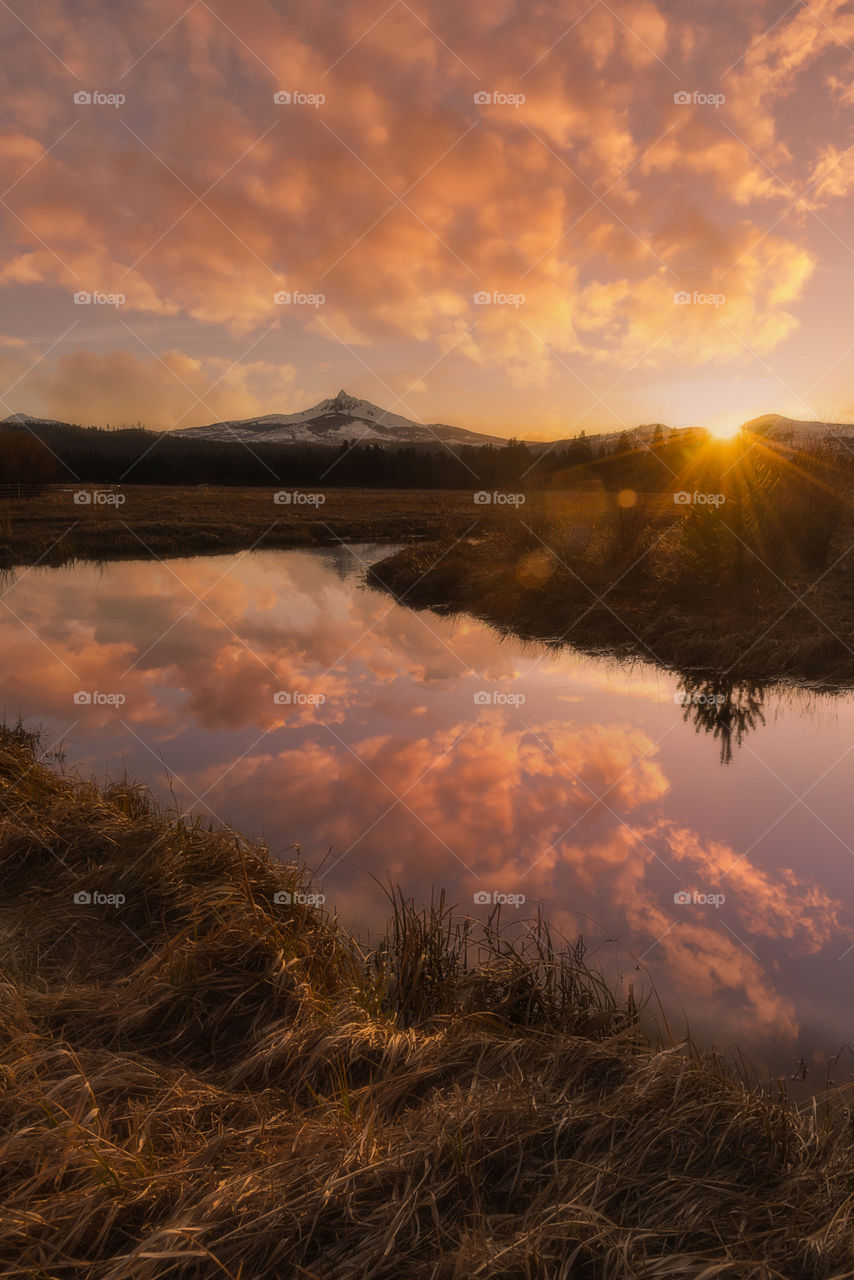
[(727, 709)]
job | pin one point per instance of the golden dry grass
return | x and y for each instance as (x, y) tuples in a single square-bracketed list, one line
[(205, 1083), (568, 580), (173, 521)]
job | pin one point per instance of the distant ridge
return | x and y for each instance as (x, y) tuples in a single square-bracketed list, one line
[(27, 419), (799, 432), (347, 418)]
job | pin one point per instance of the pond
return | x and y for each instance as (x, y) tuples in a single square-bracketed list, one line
[(699, 837)]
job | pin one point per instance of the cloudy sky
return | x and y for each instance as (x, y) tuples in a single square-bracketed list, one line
[(489, 214)]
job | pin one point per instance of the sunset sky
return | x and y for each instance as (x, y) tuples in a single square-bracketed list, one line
[(387, 194)]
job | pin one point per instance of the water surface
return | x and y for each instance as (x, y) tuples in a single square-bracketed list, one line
[(274, 693)]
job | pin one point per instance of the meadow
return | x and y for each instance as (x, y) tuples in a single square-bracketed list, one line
[(50, 527)]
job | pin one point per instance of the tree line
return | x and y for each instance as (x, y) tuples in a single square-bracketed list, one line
[(49, 454)]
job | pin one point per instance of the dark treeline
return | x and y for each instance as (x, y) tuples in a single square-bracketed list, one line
[(93, 455), (53, 454)]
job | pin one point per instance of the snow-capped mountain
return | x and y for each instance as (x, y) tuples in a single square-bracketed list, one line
[(346, 417), (797, 433), (334, 421), (27, 419)]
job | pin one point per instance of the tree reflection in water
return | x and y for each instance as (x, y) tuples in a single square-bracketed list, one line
[(728, 709)]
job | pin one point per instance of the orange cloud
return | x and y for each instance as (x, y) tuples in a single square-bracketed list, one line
[(581, 186)]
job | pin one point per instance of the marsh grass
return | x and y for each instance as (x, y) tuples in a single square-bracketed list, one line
[(763, 596), (202, 1082)]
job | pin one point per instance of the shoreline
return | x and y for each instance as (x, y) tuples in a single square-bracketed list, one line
[(461, 559), (197, 1063), (736, 639)]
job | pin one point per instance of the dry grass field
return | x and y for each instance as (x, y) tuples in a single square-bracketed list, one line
[(53, 528)]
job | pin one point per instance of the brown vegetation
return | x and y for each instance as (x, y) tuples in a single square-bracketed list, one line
[(743, 591), (51, 528)]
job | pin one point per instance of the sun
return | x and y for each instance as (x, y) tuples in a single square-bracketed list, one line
[(725, 430)]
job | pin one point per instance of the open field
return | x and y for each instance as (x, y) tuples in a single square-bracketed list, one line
[(52, 528), (199, 1081), (171, 521)]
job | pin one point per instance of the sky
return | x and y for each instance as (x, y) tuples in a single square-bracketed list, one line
[(528, 217)]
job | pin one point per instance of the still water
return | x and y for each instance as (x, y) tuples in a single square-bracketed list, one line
[(274, 693)]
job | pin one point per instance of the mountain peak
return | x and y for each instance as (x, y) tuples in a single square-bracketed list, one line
[(344, 401), (24, 419), (333, 422)]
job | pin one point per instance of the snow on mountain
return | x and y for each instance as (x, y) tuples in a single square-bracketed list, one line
[(346, 417), (331, 422), (25, 419), (797, 433)]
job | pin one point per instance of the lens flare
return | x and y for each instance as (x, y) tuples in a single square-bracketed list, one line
[(725, 430)]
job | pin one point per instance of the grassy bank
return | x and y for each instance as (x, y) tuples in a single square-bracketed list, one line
[(626, 586), (201, 1081)]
